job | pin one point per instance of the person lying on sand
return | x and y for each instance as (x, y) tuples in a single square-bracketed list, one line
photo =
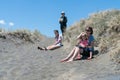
[(57, 44)]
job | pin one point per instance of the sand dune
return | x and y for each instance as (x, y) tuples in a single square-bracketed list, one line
[(20, 60)]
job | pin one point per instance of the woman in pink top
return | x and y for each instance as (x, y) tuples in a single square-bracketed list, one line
[(81, 45), (57, 44)]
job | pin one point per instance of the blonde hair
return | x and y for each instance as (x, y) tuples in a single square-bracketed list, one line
[(82, 34)]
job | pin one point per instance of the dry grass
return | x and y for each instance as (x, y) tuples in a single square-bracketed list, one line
[(106, 26), (24, 35)]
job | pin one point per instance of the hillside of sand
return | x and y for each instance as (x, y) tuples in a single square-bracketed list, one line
[(21, 60)]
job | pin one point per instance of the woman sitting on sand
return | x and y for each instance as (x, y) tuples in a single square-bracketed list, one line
[(90, 48), (84, 46), (79, 48), (57, 44)]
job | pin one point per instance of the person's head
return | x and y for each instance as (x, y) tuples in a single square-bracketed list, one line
[(83, 36), (56, 32), (62, 13), (89, 30)]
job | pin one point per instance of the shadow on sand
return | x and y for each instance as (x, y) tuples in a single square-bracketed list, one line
[(85, 55)]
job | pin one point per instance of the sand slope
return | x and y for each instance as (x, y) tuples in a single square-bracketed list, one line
[(22, 61)]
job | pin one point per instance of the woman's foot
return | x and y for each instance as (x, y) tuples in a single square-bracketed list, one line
[(78, 57), (40, 48), (89, 58), (64, 60), (45, 48), (70, 60)]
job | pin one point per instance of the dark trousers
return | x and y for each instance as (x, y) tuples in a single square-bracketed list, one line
[(63, 29)]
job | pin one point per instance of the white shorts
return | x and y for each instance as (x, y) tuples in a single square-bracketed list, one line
[(59, 44)]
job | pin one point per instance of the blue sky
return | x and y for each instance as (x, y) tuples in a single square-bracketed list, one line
[(43, 15)]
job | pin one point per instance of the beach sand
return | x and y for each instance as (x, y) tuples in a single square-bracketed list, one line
[(23, 61)]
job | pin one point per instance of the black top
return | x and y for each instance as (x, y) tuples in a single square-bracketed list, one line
[(63, 20)]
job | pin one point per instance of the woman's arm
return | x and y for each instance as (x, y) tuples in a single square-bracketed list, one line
[(91, 45), (58, 41), (78, 41)]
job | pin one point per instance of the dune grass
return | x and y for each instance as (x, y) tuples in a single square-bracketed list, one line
[(25, 35), (106, 26)]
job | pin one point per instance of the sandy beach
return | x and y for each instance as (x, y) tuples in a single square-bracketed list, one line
[(23, 61)]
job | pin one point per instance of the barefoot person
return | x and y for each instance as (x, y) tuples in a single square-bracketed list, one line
[(81, 45), (90, 49), (85, 49), (57, 44)]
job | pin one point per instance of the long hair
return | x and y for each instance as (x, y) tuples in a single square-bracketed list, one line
[(56, 31), (88, 28)]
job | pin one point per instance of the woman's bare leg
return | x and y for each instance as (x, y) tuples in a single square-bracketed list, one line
[(49, 47), (77, 50), (52, 47), (79, 56), (90, 56), (69, 55)]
